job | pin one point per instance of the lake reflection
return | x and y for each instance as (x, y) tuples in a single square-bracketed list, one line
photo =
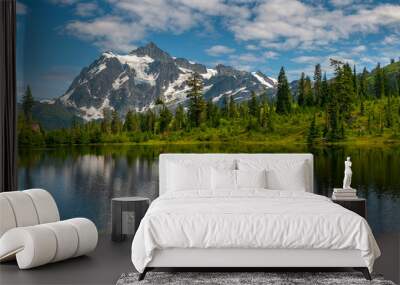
[(84, 179)]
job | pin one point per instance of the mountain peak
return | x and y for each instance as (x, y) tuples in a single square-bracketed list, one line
[(153, 51), (134, 81), (227, 70), (151, 45)]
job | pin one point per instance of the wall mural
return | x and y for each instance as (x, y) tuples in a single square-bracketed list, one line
[(106, 86)]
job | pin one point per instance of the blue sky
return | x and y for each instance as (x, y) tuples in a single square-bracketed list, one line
[(57, 38)]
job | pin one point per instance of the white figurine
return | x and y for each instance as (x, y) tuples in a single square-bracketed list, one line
[(347, 174)]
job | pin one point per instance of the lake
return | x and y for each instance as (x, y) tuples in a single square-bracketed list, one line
[(84, 179)]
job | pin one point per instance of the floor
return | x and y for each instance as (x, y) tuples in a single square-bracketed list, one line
[(110, 260), (104, 266)]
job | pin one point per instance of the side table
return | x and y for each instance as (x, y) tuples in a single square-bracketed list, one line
[(126, 214), (357, 205)]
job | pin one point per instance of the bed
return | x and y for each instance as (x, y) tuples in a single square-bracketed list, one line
[(245, 211)]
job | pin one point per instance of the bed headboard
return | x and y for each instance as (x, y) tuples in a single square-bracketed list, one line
[(210, 157)]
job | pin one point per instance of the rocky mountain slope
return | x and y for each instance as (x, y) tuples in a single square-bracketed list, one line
[(134, 82)]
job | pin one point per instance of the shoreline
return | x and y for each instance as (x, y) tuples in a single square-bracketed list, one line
[(377, 142)]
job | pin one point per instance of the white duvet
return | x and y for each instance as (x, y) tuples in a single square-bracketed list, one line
[(250, 219)]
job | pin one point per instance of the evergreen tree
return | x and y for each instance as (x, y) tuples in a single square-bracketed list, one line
[(225, 106), (179, 122), (355, 83), (116, 124), (106, 122), (283, 104), (308, 93), (332, 131), (266, 116), (398, 83), (233, 113), (379, 82), (253, 104), (148, 122), (318, 85), (343, 89), (313, 132), (349, 87), (363, 88), (27, 103), (131, 123), (165, 118), (213, 114), (324, 91), (243, 110), (386, 84), (197, 105), (301, 90)]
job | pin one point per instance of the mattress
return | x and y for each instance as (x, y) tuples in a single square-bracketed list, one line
[(250, 219)]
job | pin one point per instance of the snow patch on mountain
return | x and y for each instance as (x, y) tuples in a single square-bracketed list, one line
[(275, 81), (97, 69), (216, 99), (141, 65), (206, 88), (219, 97), (65, 98), (210, 73), (242, 89), (120, 81), (185, 70), (48, 101), (177, 90), (93, 113), (262, 80), (231, 93)]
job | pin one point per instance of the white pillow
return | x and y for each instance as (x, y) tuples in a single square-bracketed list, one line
[(281, 174), (184, 178), (251, 178), (288, 177), (223, 179)]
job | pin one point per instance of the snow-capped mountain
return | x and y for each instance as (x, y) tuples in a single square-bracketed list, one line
[(134, 81)]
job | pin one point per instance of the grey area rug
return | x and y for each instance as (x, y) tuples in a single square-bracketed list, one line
[(228, 278)]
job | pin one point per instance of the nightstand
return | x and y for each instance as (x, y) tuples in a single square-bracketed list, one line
[(357, 205), (126, 214)]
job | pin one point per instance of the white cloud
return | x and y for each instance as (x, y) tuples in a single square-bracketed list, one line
[(87, 9), (272, 24), (130, 20), (252, 47), (359, 49), (340, 3), (21, 8), (218, 50), (246, 57), (64, 2), (270, 54), (391, 40), (288, 24), (108, 33), (307, 59)]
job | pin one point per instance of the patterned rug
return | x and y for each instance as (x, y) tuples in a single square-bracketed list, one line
[(243, 278)]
